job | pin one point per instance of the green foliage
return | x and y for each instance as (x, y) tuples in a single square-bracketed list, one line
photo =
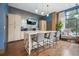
[(59, 25), (71, 21)]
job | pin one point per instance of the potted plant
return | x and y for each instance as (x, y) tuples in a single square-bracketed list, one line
[(58, 27)]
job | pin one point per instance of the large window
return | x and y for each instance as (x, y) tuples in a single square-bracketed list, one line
[(72, 20)]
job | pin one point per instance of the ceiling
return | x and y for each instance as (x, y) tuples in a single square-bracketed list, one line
[(39, 7)]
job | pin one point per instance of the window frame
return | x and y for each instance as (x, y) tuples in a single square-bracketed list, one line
[(69, 15)]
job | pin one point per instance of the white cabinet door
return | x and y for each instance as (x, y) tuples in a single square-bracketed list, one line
[(17, 32), (10, 27), (18, 20), (11, 18), (42, 25), (10, 33)]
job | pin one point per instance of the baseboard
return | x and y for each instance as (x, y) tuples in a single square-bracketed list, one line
[(2, 51), (16, 41)]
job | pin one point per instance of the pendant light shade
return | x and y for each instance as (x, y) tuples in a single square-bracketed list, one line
[(47, 10)]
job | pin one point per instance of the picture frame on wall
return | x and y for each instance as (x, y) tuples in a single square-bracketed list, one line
[(29, 23)]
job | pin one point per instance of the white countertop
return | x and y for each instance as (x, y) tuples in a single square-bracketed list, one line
[(32, 32)]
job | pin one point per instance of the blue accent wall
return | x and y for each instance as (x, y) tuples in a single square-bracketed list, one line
[(3, 14), (48, 19)]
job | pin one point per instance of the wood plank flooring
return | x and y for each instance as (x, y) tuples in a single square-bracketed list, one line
[(62, 48)]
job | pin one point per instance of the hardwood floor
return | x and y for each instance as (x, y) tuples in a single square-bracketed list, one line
[(62, 48), (15, 49)]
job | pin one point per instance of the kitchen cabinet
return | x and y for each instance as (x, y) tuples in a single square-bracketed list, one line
[(14, 27), (42, 25)]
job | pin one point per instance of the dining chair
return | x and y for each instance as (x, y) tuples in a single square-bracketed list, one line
[(47, 39), (38, 41), (54, 37)]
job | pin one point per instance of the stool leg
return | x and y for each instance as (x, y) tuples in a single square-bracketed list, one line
[(43, 45), (37, 47)]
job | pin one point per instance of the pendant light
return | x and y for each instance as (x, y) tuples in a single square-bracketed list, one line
[(47, 10), (42, 11), (36, 10)]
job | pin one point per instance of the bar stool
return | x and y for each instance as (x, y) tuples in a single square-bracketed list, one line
[(54, 37), (38, 41)]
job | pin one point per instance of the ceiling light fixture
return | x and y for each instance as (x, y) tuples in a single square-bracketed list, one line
[(36, 10), (42, 13), (47, 10), (47, 15)]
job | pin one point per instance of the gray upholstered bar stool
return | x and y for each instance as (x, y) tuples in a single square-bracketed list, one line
[(47, 40), (54, 37), (38, 41)]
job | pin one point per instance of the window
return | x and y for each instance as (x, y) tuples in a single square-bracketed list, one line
[(72, 22)]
